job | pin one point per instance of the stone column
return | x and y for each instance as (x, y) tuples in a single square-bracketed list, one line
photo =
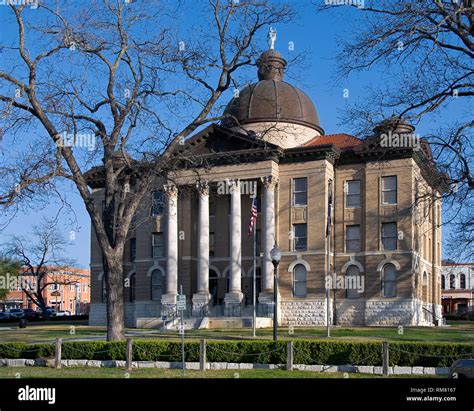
[(234, 297), (269, 183), (168, 300), (202, 297)]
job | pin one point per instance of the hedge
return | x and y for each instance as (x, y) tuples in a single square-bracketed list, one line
[(263, 352)]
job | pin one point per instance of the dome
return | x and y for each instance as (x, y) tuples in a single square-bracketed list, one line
[(271, 99)]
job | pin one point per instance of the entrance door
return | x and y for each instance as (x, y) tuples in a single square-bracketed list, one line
[(213, 286)]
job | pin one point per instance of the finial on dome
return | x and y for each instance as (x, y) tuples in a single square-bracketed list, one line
[(272, 35)]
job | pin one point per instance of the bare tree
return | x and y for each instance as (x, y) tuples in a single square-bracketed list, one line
[(425, 49), (43, 262), (136, 78)]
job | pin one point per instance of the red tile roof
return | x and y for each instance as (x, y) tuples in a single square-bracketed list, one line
[(342, 141)]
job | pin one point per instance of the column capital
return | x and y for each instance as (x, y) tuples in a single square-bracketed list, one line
[(233, 185), (171, 190), (203, 187), (269, 182)]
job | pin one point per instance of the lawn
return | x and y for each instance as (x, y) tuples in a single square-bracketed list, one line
[(82, 372), (456, 332)]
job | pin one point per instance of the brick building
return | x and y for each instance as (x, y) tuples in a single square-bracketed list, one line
[(193, 231), (69, 291)]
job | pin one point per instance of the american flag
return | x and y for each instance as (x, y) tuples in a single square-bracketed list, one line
[(329, 218), (253, 216)]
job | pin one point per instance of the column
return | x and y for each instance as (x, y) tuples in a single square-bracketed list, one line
[(269, 183), (234, 297), (168, 300), (202, 297)]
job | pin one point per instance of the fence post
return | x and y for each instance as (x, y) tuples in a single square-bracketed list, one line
[(129, 354), (57, 353), (289, 356), (385, 358), (202, 355)]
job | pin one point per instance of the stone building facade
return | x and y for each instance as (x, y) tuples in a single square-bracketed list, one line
[(385, 237)]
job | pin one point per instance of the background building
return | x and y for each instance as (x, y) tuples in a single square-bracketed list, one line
[(69, 291), (457, 284)]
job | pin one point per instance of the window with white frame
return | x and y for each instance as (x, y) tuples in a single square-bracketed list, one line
[(452, 281), (300, 191), (353, 194), (353, 244), (462, 281), (157, 203), (352, 281), (300, 239), (299, 281), (389, 190), (389, 236), (389, 281), (157, 245), (156, 285)]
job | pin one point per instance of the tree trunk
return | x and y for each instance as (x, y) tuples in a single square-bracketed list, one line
[(113, 271)]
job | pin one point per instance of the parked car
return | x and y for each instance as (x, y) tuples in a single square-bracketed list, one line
[(16, 313), (30, 314), (51, 312), (63, 313), (4, 315), (462, 369)]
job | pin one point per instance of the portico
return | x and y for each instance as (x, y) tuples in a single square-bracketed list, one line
[(235, 190)]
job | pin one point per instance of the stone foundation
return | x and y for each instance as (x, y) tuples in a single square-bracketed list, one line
[(98, 314), (304, 312)]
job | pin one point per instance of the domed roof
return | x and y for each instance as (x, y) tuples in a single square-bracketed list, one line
[(271, 99)]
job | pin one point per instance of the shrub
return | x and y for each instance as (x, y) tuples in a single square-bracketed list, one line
[(264, 352)]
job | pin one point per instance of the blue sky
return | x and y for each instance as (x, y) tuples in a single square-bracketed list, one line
[(313, 33)]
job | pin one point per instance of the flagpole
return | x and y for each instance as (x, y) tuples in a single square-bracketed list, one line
[(328, 262), (254, 322)]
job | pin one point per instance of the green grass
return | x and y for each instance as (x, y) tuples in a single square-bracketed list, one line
[(83, 372), (457, 332)]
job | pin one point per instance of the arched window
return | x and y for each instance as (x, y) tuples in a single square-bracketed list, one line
[(352, 282), (156, 285), (462, 281), (443, 282), (389, 281), (299, 281), (452, 281), (131, 289), (104, 290), (425, 286)]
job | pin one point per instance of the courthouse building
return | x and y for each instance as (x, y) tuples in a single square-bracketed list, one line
[(192, 230)]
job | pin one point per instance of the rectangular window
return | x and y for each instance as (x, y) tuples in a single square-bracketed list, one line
[(389, 236), (212, 206), (133, 249), (389, 190), (300, 194), (157, 245), (299, 237), (71, 305), (71, 287), (353, 194), (212, 244), (157, 205), (353, 244)]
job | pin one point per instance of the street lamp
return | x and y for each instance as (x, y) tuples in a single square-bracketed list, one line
[(275, 255)]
